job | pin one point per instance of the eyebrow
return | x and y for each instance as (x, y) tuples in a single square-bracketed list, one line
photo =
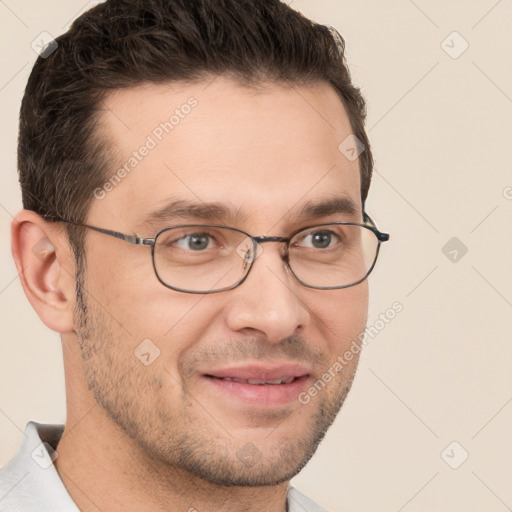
[(336, 205), (220, 213), (182, 209)]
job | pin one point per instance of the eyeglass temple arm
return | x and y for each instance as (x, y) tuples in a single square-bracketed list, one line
[(382, 237), (135, 240)]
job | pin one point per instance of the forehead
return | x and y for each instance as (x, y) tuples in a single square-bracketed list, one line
[(263, 152)]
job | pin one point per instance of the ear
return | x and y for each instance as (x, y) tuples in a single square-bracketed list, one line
[(46, 267)]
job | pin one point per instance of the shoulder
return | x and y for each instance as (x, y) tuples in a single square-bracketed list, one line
[(30, 482)]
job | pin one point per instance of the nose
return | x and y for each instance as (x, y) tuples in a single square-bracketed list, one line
[(269, 301)]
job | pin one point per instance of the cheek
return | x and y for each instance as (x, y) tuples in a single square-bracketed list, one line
[(342, 316), (140, 308)]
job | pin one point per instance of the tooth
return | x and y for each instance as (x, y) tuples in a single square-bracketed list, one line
[(282, 380)]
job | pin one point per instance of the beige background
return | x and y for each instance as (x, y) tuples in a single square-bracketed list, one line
[(441, 370)]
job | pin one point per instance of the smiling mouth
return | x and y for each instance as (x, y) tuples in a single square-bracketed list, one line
[(259, 391), (257, 382), (267, 385)]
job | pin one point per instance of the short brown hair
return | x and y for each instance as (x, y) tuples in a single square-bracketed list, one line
[(123, 43)]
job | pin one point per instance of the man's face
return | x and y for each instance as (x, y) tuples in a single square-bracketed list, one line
[(263, 154)]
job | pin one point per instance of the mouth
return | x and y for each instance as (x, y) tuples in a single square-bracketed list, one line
[(258, 382), (259, 385)]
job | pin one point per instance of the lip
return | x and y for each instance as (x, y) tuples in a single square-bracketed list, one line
[(261, 372), (262, 395)]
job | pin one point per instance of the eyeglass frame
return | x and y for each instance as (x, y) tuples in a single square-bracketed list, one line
[(138, 240)]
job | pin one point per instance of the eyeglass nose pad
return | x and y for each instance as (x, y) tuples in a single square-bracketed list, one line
[(246, 251)]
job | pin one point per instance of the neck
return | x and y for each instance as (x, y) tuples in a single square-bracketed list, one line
[(103, 468)]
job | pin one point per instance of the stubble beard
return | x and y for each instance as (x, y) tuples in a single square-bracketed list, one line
[(127, 392)]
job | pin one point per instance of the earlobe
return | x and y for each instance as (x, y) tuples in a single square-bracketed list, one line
[(45, 268)]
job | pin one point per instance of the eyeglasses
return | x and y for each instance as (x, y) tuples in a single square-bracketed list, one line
[(210, 258)]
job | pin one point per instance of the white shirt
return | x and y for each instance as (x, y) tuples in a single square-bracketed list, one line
[(30, 482)]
